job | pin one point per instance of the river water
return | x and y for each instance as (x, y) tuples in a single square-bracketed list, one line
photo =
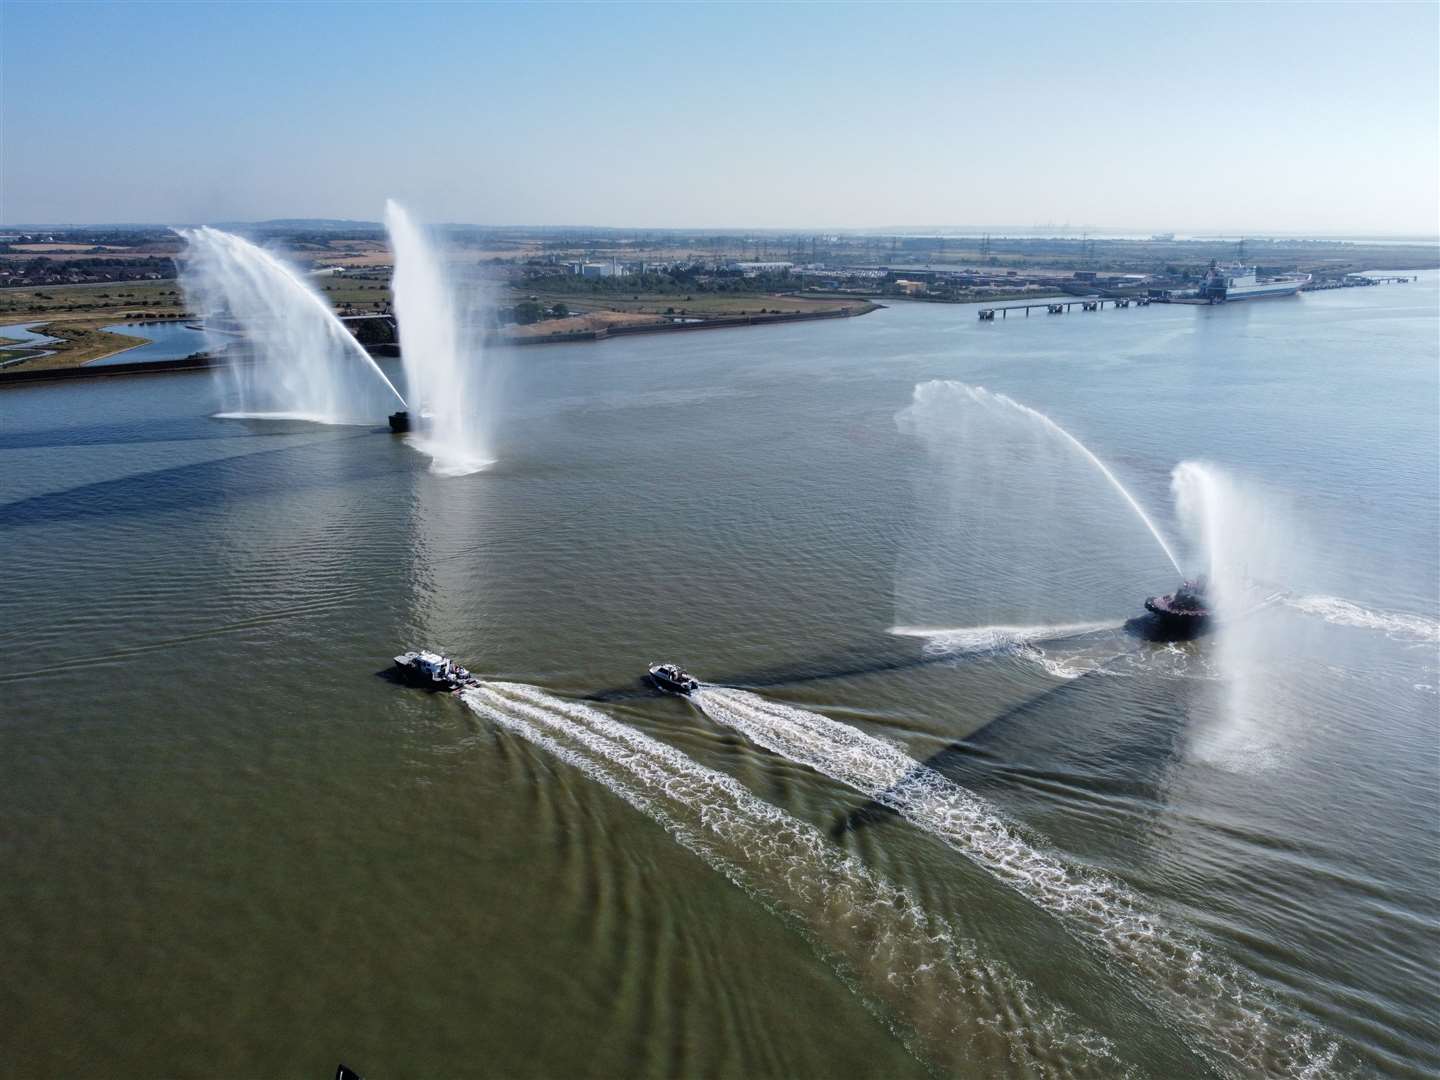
[(231, 847), (164, 341)]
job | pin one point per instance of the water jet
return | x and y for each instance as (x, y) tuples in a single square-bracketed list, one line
[(306, 364), (445, 373)]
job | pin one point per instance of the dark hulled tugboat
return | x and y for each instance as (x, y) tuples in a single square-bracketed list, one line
[(673, 679), (1183, 614), (402, 422)]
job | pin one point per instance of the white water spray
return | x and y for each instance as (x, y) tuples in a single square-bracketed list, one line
[(299, 361), (1225, 1011), (1242, 537), (949, 392), (440, 347), (953, 1009)]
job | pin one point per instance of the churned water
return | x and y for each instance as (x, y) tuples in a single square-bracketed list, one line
[(938, 808)]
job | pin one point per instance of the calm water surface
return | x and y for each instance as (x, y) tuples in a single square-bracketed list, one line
[(164, 341), (230, 848)]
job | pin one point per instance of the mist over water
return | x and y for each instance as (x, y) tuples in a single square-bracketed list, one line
[(291, 357), (447, 377), (1250, 551)]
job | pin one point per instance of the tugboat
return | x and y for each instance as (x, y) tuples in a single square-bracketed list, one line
[(1182, 614), (673, 679), (432, 671), (401, 422)]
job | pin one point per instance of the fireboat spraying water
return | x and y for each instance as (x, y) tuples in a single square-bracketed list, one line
[(1183, 614), (402, 422)]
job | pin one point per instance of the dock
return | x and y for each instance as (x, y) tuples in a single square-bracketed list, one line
[(1359, 281), (1062, 307)]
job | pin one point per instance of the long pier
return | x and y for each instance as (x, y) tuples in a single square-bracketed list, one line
[(1359, 281), (1062, 307)]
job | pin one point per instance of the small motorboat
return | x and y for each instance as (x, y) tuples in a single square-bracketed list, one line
[(1183, 614), (673, 679), (432, 671)]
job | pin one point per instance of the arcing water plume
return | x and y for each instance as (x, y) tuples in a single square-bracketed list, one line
[(299, 361), (1225, 1011), (440, 347), (948, 394), (955, 1010)]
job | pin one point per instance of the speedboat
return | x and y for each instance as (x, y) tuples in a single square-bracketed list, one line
[(673, 679), (432, 671), (1183, 614)]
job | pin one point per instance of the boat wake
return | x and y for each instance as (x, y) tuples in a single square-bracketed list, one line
[(953, 1009), (1227, 1016), (1398, 626), (1024, 642), (313, 418)]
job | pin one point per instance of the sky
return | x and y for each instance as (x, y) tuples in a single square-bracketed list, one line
[(1256, 118)]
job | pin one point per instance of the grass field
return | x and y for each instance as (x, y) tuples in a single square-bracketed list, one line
[(144, 298), (698, 305), (357, 292), (76, 313), (81, 343)]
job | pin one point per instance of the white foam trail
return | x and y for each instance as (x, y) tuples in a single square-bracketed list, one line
[(314, 418), (307, 362), (985, 398), (1057, 667), (953, 1009), (1225, 1010), (444, 365), (1398, 625), (1020, 641), (979, 639)]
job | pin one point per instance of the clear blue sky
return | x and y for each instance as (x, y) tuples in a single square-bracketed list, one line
[(1237, 117)]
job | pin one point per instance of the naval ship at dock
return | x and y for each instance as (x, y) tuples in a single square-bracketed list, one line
[(1236, 281)]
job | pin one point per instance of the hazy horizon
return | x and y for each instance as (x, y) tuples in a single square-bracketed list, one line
[(1282, 120), (999, 232)]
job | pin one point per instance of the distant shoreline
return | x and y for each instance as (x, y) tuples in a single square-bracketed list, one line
[(846, 311), (208, 361)]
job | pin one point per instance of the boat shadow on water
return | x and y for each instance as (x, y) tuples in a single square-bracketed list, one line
[(1005, 749), (188, 429), (1037, 745), (859, 662), (833, 666), (187, 487)]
